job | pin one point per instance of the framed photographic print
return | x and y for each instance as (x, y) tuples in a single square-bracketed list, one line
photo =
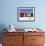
[(26, 14)]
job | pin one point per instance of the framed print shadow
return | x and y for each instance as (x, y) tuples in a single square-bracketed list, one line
[(26, 14)]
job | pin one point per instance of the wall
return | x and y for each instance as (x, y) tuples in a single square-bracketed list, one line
[(8, 13)]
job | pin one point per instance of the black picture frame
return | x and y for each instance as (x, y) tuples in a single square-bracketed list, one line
[(29, 14)]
